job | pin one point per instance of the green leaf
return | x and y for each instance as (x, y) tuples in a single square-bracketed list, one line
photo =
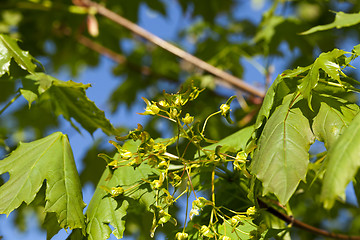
[(49, 159), (51, 225), (342, 164), (327, 62), (240, 232), (267, 104), (268, 30), (9, 49), (282, 86), (235, 141), (68, 99), (332, 119), (341, 20), (104, 209), (281, 159)]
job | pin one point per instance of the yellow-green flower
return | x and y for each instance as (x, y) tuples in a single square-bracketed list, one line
[(152, 110), (188, 119), (251, 211), (116, 191), (181, 236), (225, 109), (125, 154)]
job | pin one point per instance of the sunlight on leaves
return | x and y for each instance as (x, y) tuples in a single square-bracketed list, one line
[(343, 163), (9, 49), (281, 159), (49, 159), (341, 20)]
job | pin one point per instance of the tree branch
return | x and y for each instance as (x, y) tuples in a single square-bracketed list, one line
[(234, 81), (118, 57), (296, 223)]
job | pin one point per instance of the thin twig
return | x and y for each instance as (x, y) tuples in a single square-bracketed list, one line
[(9, 103), (296, 223), (234, 81)]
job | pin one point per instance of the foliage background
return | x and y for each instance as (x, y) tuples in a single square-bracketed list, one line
[(229, 35)]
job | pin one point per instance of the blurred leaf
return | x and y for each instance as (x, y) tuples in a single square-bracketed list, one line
[(356, 185), (32, 163), (341, 20), (51, 225), (25, 118), (93, 163), (68, 99), (276, 29), (205, 9), (281, 159), (342, 163), (7, 88)]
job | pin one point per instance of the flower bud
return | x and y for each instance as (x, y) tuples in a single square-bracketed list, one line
[(181, 236), (251, 211), (225, 109), (188, 119)]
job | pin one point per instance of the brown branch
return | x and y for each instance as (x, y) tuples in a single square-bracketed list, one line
[(110, 54), (116, 57), (234, 81), (296, 223)]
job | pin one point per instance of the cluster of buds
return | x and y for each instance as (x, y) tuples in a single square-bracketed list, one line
[(172, 105), (240, 161), (154, 153), (197, 206)]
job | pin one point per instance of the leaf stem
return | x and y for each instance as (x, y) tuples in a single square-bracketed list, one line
[(339, 85), (206, 120), (9, 103)]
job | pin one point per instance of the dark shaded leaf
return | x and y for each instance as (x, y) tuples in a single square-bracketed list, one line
[(68, 99)]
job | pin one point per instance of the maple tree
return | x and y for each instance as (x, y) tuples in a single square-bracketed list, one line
[(249, 169)]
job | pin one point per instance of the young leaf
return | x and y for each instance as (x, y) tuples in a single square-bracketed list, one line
[(341, 20), (343, 163), (333, 117), (9, 49), (281, 159), (282, 86), (328, 63), (104, 209), (49, 159)]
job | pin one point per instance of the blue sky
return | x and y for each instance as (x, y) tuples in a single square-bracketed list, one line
[(103, 82)]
